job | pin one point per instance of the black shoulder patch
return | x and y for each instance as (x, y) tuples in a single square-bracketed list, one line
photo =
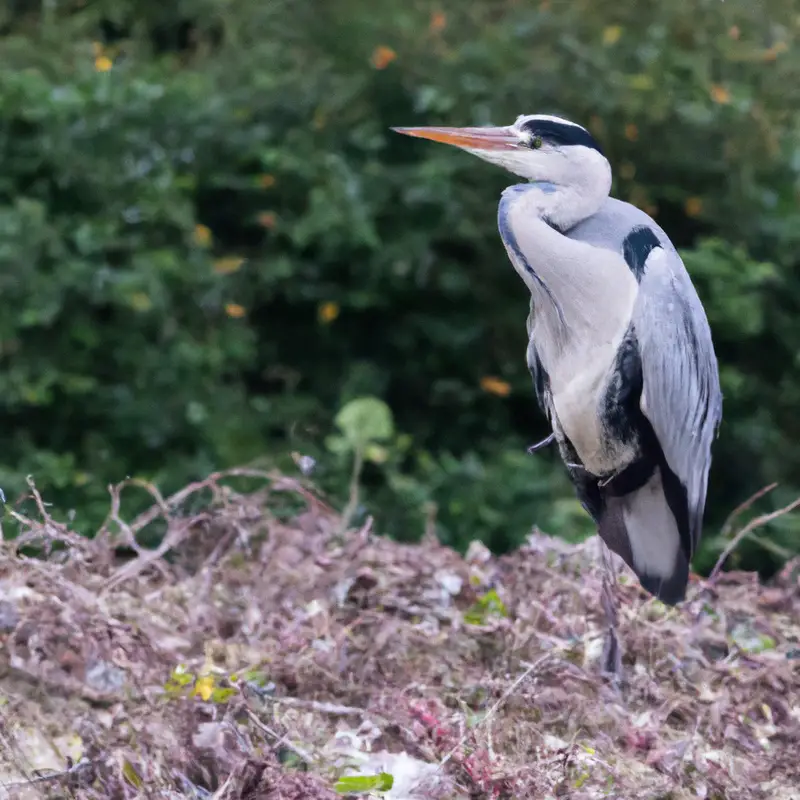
[(586, 487), (561, 134), (541, 382), (638, 245), (620, 406)]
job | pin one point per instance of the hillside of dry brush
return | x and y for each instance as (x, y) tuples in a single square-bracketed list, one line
[(265, 651)]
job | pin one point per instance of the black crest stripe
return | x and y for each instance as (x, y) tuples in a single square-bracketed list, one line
[(561, 133)]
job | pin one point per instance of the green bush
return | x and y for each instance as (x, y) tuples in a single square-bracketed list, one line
[(210, 241)]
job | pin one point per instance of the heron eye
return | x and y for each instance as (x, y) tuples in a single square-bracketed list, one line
[(536, 142)]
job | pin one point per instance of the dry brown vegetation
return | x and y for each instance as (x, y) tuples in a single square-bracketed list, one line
[(262, 654)]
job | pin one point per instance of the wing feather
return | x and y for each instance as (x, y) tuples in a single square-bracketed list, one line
[(681, 395)]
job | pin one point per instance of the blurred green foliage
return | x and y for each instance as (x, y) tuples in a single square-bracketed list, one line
[(210, 240)]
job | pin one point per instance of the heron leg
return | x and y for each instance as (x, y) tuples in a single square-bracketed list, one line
[(539, 445), (612, 650)]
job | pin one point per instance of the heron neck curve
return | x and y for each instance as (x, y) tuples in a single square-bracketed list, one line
[(533, 219)]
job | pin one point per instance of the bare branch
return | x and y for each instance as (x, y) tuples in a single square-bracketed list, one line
[(742, 507), (754, 524), (298, 751)]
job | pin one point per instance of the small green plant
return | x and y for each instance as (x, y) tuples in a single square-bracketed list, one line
[(751, 641), (364, 424), (487, 605), (362, 784), (182, 683), (178, 682)]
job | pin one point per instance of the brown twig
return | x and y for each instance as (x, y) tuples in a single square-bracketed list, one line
[(758, 522), (173, 538), (276, 480), (298, 751), (81, 766), (314, 705), (742, 507), (48, 529)]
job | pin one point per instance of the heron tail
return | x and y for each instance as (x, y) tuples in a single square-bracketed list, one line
[(642, 529)]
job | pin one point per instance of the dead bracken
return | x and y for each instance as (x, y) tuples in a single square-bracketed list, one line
[(259, 652)]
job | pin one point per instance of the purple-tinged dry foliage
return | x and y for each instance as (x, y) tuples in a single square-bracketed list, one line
[(252, 656)]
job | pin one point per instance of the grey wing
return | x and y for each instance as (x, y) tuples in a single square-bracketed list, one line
[(681, 395), (540, 379)]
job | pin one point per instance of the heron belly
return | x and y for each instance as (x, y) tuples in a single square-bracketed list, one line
[(578, 402)]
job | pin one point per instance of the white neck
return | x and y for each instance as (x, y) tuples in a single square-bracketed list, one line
[(533, 218), (571, 182), (570, 190)]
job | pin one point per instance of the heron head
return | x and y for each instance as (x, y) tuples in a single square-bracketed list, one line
[(536, 147)]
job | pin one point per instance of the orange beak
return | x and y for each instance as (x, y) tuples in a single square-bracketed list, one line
[(470, 138)]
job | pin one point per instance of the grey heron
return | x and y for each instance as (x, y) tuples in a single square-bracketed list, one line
[(619, 348)]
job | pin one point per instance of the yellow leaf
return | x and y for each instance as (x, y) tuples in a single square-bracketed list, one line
[(438, 21), (131, 775), (631, 132), (495, 386), (719, 94), (202, 235), (611, 35), (204, 686), (140, 302), (693, 207), (266, 181), (234, 310), (103, 63), (382, 56), (225, 266), (328, 312)]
